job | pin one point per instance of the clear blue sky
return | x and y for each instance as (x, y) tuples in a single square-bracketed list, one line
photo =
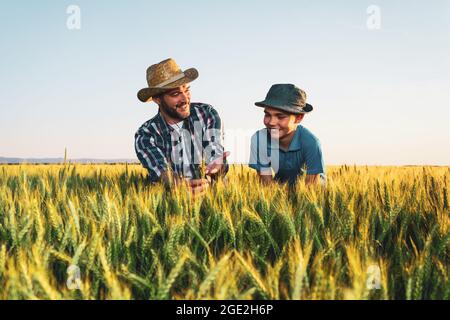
[(380, 96)]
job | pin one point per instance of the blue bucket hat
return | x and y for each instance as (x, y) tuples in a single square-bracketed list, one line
[(286, 97)]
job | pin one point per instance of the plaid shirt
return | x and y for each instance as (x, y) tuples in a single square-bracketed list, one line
[(158, 145)]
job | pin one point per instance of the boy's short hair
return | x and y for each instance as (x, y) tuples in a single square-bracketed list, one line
[(285, 112)]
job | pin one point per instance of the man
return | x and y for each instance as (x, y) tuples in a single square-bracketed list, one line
[(285, 146), (175, 143)]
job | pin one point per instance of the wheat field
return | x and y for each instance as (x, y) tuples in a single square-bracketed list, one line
[(371, 233)]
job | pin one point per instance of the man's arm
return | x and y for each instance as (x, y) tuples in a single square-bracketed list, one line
[(213, 144), (150, 155), (152, 158)]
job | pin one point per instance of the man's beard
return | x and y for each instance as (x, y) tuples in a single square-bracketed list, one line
[(173, 112)]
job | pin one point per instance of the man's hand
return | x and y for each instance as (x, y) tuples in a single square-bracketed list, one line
[(217, 165), (265, 179), (198, 186)]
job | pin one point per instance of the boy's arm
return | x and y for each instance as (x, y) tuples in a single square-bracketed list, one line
[(314, 162), (311, 179), (264, 170)]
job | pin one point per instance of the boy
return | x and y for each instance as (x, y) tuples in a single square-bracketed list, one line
[(285, 146)]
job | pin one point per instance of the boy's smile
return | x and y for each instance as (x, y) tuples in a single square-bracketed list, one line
[(282, 125)]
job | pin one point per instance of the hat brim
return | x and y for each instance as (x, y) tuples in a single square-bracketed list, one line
[(295, 110), (146, 94)]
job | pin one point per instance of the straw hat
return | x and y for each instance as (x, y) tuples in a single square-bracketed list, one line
[(164, 76)]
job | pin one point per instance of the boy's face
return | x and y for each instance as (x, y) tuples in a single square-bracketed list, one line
[(280, 123)]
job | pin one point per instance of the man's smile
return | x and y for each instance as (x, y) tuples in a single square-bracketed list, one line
[(182, 107)]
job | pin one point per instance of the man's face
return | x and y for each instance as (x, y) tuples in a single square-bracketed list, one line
[(175, 102), (280, 123)]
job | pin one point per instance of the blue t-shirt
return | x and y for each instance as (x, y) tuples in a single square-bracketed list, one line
[(304, 153)]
